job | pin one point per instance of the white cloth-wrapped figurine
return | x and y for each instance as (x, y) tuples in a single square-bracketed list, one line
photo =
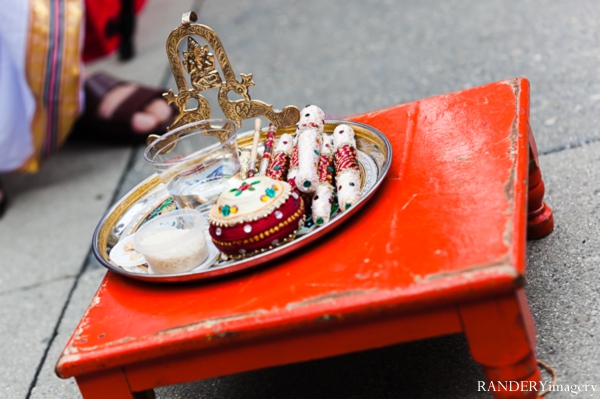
[(323, 199), (346, 166)]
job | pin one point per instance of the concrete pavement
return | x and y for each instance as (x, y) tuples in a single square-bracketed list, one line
[(348, 57)]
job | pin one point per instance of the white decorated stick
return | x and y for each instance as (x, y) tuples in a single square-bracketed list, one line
[(309, 144), (280, 161), (346, 166), (311, 116), (323, 199), (269, 142), (293, 162)]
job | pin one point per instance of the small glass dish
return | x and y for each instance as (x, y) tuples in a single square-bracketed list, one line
[(174, 242), (196, 161)]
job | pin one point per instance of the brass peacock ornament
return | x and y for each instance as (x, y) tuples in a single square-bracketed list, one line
[(201, 66)]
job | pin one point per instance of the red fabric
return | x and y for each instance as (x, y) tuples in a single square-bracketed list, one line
[(101, 27)]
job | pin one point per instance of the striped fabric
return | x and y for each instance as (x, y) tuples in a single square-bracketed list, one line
[(53, 70)]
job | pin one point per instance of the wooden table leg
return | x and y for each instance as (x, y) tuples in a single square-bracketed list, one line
[(109, 384), (501, 337), (540, 221)]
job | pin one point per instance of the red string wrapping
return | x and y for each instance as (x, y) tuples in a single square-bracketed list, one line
[(278, 167), (326, 170), (345, 158)]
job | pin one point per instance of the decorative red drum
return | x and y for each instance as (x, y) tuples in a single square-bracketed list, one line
[(260, 214)]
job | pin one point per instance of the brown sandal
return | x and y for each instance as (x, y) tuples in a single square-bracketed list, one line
[(117, 128)]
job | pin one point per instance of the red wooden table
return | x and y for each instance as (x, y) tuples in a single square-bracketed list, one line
[(439, 249)]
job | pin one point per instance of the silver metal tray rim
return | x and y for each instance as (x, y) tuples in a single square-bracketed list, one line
[(264, 257)]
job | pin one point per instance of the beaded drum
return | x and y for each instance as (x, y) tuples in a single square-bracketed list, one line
[(260, 214)]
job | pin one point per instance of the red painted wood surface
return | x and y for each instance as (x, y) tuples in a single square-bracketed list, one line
[(444, 234)]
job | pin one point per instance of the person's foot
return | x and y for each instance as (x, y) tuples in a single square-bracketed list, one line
[(154, 114), (122, 112)]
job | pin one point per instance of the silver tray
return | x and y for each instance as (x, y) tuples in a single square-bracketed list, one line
[(151, 197)]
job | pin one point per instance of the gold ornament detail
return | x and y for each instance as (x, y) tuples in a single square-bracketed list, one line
[(200, 64)]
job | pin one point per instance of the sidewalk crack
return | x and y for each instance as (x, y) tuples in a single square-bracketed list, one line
[(37, 285), (82, 269), (570, 146)]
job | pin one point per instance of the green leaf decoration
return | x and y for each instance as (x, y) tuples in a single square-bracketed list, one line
[(238, 193), (256, 182), (276, 167), (232, 190), (329, 168), (317, 152), (251, 189)]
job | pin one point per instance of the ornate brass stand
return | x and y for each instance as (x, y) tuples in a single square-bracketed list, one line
[(200, 64)]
